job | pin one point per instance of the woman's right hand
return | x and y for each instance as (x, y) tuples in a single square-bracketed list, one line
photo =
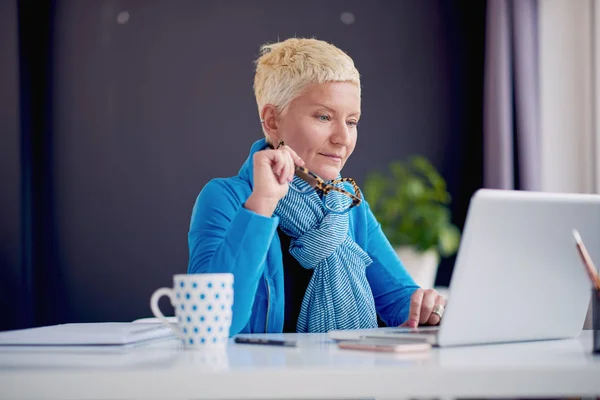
[(273, 171)]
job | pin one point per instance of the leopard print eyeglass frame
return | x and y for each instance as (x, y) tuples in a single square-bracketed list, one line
[(317, 183)]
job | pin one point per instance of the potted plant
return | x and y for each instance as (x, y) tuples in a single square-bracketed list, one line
[(411, 203)]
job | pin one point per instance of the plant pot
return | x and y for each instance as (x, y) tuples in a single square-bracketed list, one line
[(421, 266)]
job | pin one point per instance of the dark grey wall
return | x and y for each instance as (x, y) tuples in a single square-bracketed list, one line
[(150, 108), (10, 273)]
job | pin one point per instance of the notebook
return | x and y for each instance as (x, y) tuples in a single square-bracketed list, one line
[(87, 334)]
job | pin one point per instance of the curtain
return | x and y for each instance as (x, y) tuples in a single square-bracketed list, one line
[(511, 96), (40, 291)]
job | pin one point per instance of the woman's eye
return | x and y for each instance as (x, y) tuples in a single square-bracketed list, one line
[(324, 118), (352, 123)]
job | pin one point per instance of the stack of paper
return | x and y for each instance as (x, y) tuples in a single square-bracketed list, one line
[(90, 334)]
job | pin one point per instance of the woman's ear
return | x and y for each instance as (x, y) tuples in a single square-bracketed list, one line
[(269, 121)]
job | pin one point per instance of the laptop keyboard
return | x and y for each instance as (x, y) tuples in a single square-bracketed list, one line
[(426, 330)]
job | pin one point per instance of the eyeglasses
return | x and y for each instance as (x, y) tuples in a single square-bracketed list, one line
[(314, 182)]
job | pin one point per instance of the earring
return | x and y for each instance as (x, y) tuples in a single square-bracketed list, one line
[(262, 121)]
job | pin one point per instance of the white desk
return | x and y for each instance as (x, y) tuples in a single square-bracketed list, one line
[(316, 369)]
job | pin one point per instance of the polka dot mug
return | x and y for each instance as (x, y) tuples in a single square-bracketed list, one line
[(203, 307)]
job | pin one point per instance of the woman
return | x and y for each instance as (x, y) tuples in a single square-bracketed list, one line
[(302, 260)]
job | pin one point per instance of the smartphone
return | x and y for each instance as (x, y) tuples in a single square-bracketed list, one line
[(385, 346)]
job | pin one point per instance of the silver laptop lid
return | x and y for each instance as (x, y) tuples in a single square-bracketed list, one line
[(518, 275)]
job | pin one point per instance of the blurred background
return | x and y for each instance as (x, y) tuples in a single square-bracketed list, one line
[(115, 113)]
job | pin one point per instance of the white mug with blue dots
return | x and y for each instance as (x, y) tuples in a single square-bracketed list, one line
[(203, 307)]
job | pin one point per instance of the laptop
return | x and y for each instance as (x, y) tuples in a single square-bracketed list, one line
[(517, 276)]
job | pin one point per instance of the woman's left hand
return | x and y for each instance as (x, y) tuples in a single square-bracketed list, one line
[(423, 303)]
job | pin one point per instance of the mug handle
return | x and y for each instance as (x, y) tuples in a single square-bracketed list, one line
[(156, 310)]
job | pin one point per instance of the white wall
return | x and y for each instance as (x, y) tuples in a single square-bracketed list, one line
[(567, 101)]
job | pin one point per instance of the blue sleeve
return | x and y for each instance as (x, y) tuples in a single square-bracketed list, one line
[(391, 284), (226, 237)]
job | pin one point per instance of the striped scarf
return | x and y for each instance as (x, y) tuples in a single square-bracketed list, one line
[(338, 295)]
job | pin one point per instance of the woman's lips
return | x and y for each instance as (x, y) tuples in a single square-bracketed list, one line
[(332, 157)]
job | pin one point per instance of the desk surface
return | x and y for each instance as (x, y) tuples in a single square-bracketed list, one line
[(315, 369)]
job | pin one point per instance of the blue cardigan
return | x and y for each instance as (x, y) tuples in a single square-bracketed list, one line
[(226, 237)]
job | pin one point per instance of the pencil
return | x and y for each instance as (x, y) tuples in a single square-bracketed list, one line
[(587, 261)]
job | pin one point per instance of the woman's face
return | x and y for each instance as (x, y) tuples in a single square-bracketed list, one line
[(320, 126)]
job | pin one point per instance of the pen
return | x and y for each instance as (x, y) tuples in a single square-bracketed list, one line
[(270, 342), (587, 261)]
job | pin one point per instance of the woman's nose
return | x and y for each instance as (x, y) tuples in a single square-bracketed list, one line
[(341, 133)]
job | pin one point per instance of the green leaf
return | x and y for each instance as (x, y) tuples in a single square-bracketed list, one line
[(411, 202), (449, 240)]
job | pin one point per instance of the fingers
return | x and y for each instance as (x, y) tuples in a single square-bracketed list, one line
[(422, 303), (429, 298), (282, 165), (283, 168), (414, 313), (278, 164), (289, 169), (291, 160), (295, 157), (435, 319)]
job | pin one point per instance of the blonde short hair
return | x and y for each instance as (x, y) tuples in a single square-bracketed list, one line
[(286, 68)]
